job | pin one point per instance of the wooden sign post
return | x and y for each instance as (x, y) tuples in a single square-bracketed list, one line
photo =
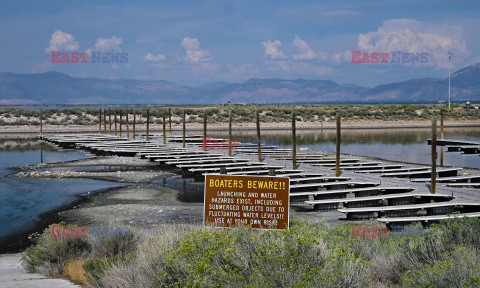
[(260, 202)]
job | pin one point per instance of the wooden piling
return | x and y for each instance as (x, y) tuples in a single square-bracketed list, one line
[(104, 121), (134, 122), (258, 137), (100, 121), (441, 137), (170, 119), (230, 132), (183, 128), (41, 121), (110, 121), (164, 133), (441, 124), (128, 129), (41, 152), (271, 172), (148, 122), (121, 122), (205, 130), (339, 139), (115, 120), (434, 156), (294, 141)]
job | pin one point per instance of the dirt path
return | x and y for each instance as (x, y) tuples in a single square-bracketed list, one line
[(13, 275)]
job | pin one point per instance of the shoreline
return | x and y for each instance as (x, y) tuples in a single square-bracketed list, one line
[(244, 126), (17, 243)]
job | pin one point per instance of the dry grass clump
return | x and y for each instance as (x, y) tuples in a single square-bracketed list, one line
[(306, 255), (75, 271)]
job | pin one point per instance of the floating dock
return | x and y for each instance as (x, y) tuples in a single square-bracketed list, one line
[(383, 190)]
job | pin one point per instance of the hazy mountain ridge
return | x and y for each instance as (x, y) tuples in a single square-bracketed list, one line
[(59, 88)]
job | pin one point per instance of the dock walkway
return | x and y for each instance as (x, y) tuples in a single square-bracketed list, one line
[(382, 190)]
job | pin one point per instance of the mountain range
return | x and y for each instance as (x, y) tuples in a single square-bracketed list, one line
[(59, 88)]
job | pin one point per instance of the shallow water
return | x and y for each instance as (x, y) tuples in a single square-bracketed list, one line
[(404, 145), (24, 200)]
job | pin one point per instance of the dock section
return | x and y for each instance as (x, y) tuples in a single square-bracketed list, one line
[(388, 192)]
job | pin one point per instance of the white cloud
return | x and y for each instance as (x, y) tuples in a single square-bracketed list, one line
[(61, 41), (408, 35), (305, 52), (206, 71), (193, 52), (272, 49), (152, 58), (303, 68), (111, 44), (343, 57), (42, 67), (240, 72)]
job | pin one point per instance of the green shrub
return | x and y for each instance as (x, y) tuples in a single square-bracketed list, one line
[(50, 255)]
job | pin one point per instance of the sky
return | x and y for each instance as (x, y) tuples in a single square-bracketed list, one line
[(199, 42)]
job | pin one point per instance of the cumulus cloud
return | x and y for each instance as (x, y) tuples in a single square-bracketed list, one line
[(42, 67), (408, 35), (305, 52), (272, 49), (343, 57), (296, 67), (240, 72), (153, 58), (111, 44), (193, 53), (61, 41)]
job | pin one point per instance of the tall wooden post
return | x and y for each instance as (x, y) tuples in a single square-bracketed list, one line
[(230, 132), (205, 130), (170, 119), (441, 124), (134, 120), (164, 133), (339, 139), (104, 121), (434, 156), (121, 122), (183, 128), (148, 122), (441, 137), (115, 120), (258, 138), (110, 121), (294, 141), (41, 121), (100, 121), (128, 128), (41, 152)]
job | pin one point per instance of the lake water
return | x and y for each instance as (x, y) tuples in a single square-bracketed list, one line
[(404, 145), (23, 200)]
